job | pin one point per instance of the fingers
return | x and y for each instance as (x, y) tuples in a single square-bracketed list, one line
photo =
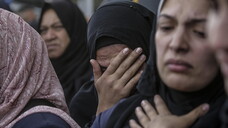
[(194, 114), (149, 109), (134, 124), (133, 81), (143, 118), (133, 69), (117, 61), (161, 106), (96, 69), (124, 66)]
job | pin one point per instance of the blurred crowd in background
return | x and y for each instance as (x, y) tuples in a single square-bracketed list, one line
[(30, 10)]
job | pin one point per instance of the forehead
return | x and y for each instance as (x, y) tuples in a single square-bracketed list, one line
[(186, 9), (111, 49), (49, 16)]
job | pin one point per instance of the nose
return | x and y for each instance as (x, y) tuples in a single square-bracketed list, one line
[(179, 42), (50, 35)]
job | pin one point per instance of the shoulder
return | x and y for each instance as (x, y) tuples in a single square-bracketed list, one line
[(41, 120)]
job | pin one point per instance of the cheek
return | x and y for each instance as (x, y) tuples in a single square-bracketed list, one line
[(205, 63), (65, 39), (161, 47), (103, 62)]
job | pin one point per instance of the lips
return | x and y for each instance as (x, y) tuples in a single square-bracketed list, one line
[(178, 65), (51, 47)]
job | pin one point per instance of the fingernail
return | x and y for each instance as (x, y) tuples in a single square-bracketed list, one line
[(205, 107), (139, 50), (137, 109), (125, 51), (143, 103), (142, 57), (91, 61)]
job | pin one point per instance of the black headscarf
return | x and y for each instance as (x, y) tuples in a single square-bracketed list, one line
[(73, 67), (120, 22), (178, 102)]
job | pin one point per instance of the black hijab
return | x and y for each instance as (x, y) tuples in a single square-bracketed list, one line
[(73, 68), (120, 22), (127, 22), (178, 102)]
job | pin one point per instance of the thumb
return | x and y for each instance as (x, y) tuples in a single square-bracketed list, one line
[(96, 69), (195, 114)]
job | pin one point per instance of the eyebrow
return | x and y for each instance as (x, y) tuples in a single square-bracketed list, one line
[(55, 23), (166, 16), (189, 22), (196, 21)]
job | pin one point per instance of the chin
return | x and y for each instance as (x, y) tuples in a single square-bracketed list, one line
[(181, 84)]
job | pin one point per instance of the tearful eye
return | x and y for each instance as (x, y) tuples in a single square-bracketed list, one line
[(58, 27), (200, 34), (166, 28)]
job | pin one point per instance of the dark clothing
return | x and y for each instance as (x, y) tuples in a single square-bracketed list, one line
[(42, 120), (224, 115), (84, 104), (115, 23), (73, 68)]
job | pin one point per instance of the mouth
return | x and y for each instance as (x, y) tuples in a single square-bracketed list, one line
[(179, 66), (51, 47)]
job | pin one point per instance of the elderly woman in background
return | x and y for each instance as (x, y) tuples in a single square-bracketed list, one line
[(31, 95), (63, 28)]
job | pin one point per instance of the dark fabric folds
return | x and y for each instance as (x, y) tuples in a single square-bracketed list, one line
[(73, 67), (125, 21)]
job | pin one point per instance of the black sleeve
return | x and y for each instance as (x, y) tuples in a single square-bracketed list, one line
[(83, 106), (42, 120)]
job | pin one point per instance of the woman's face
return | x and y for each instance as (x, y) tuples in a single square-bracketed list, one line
[(184, 59), (54, 34), (217, 33)]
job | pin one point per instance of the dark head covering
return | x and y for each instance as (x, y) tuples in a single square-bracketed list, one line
[(120, 22), (178, 102), (127, 22), (72, 68)]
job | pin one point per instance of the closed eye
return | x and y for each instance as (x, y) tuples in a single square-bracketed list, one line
[(200, 34)]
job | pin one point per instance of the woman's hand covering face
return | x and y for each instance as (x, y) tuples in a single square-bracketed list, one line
[(119, 78)]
